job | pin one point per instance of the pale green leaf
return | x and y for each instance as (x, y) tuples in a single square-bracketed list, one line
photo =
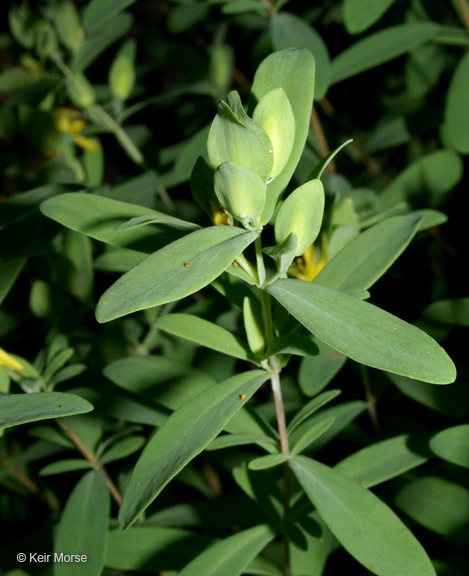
[(268, 461), (361, 14), (204, 333), (182, 437), (367, 257), (365, 526), (381, 461), (68, 465), (122, 449), (311, 407), (293, 71), (452, 445), (23, 408), (177, 270), (232, 555), (380, 47), (454, 311), (316, 372), (364, 332), (457, 108), (83, 527)]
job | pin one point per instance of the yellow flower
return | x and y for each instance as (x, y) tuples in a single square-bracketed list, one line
[(9, 361), (308, 266), (68, 121), (219, 216)]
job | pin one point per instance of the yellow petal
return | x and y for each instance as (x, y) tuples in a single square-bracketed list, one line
[(9, 361), (86, 143)]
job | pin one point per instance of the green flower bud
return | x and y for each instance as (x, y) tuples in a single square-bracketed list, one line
[(240, 191), (122, 72), (234, 137), (221, 67), (301, 213)]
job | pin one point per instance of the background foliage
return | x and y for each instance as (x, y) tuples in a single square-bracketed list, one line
[(113, 100)]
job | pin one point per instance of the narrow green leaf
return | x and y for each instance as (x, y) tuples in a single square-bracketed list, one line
[(268, 461), (83, 527), (139, 221), (384, 460), (99, 217), (316, 373), (97, 12), (22, 408), (204, 333), (364, 332), (454, 311), (361, 14), (184, 435), (232, 555), (367, 257), (175, 271), (290, 31), (293, 71), (99, 40), (152, 548), (318, 170), (452, 445), (312, 431), (311, 407), (365, 526), (122, 449), (457, 107), (69, 465), (439, 505), (9, 272), (230, 440), (292, 344), (253, 325), (379, 48)]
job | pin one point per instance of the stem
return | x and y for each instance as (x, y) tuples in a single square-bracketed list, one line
[(323, 145), (465, 12), (88, 455), (277, 393)]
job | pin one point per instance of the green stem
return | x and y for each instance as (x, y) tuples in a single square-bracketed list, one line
[(100, 115), (276, 391)]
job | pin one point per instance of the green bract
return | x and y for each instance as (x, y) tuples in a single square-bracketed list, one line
[(301, 214), (275, 115), (240, 191)]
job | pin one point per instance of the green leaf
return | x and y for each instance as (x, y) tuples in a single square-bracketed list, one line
[(232, 555), (365, 526), (97, 12), (184, 435), (381, 461), (367, 257), (311, 407), (454, 311), (312, 431), (99, 218), (230, 440), (62, 466), (122, 72), (292, 344), (17, 78), (379, 48), (9, 272), (68, 24), (426, 181), (301, 214), (152, 548), (452, 445), (84, 525), (239, 6), (205, 333), (253, 325), (122, 449), (268, 461), (457, 107), (293, 71), (316, 373), (439, 505), (99, 40), (139, 221), (361, 14), (23, 408), (364, 332), (290, 31), (175, 271), (118, 260), (275, 115)]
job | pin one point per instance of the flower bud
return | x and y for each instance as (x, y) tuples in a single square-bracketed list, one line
[(122, 72)]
